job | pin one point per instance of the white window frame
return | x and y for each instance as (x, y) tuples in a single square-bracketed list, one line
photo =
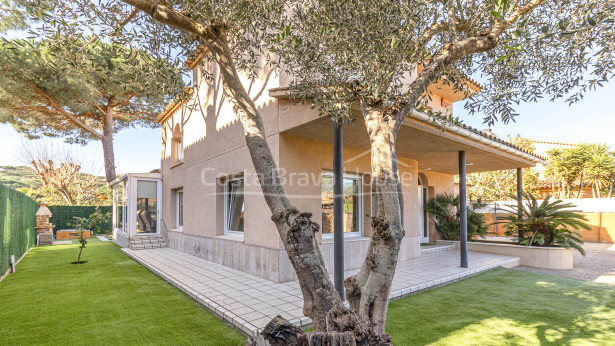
[(359, 233), (226, 195), (124, 208), (179, 212)]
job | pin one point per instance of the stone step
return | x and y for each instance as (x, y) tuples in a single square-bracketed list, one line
[(148, 236), (439, 246), (147, 246), (147, 241)]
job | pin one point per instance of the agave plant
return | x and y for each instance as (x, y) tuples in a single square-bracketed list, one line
[(445, 211), (545, 223)]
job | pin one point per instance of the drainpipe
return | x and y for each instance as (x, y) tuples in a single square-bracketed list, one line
[(338, 210), (463, 213)]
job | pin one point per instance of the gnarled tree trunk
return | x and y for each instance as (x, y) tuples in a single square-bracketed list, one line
[(294, 227), (368, 291)]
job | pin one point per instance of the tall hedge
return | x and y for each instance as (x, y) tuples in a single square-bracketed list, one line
[(64, 215), (17, 225)]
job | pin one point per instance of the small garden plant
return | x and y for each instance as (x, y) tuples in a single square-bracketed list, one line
[(546, 223), (445, 211), (96, 223), (82, 242)]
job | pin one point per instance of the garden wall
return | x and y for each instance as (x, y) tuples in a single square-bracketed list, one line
[(17, 225), (600, 213), (64, 215)]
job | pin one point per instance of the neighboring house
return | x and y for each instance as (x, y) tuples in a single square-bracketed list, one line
[(211, 204)]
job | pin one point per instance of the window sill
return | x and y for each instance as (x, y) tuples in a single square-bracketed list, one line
[(177, 164), (232, 237), (347, 237), (178, 230)]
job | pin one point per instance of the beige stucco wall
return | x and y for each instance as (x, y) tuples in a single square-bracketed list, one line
[(214, 148), (300, 156)]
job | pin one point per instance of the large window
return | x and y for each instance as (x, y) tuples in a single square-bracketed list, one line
[(352, 204), (234, 206), (119, 202), (179, 207), (147, 206)]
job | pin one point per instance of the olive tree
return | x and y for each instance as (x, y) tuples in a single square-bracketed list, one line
[(383, 56), (347, 53)]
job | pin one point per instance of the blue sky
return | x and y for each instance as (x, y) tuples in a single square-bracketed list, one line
[(136, 150), (592, 120)]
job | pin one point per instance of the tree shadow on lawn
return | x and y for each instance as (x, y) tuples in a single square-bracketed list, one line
[(506, 306)]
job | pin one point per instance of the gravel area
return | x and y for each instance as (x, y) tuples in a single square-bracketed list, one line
[(597, 266)]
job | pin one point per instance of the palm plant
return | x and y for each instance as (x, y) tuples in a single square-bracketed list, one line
[(599, 166), (445, 211), (590, 164), (545, 223)]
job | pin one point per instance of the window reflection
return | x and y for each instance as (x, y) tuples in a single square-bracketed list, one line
[(234, 206), (147, 204), (351, 188)]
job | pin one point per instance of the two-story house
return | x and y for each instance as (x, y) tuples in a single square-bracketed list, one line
[(210, 203)]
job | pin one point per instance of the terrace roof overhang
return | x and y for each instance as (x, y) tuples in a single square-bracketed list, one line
[(434, 146)]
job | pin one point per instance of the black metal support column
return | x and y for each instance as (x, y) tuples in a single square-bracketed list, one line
[(463, 214), (519, 188), (338, 211), (519, 193)]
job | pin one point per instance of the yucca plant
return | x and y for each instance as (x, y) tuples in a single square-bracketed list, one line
[(444, 209), (545, 223)]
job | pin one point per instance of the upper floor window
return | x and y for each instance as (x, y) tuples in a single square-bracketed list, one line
[(180, 150), (177, 146), (352, 204)]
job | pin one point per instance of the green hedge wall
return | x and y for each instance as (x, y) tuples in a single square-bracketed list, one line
[(63, 215), (17, 225)]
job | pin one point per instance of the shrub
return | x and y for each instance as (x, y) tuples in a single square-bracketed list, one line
[(96, 223), (445, 211), (545, 224)]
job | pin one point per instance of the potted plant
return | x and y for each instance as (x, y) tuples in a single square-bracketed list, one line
[(444, 209), (546, 223)]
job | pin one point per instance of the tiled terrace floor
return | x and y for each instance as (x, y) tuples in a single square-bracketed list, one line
[(249, 302)]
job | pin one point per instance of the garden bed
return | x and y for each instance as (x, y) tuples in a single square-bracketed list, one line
[(534, 256)]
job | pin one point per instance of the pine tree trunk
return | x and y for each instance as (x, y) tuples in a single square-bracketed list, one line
[(107, 144)]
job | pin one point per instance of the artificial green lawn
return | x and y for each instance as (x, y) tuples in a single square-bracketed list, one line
[(109, 300), (507, 307), (113, 300)]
